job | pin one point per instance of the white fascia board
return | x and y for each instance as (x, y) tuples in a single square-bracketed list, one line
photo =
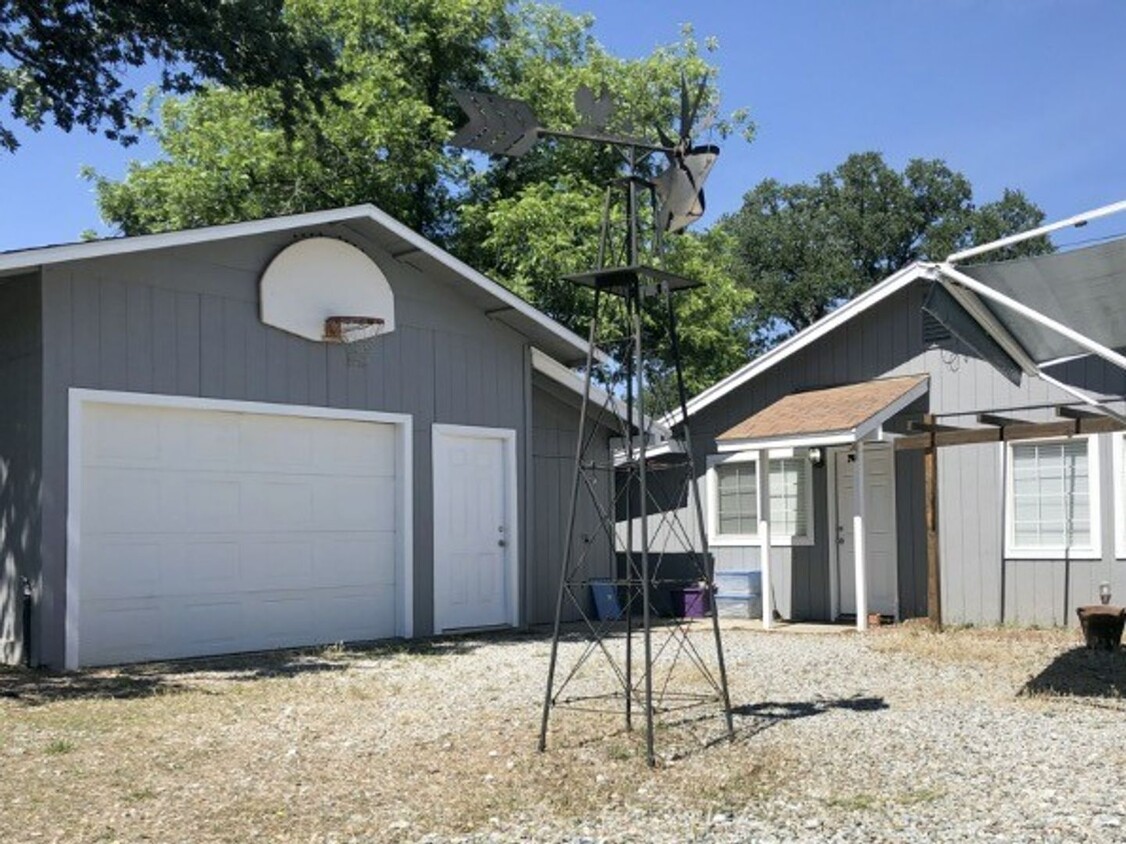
[(13, 262), (46, 255), (873, 296), (783, 442), (549, 367)]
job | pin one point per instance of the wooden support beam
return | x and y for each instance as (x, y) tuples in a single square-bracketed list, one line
[(1010, 433), (931, 427), (998, 421), (934, 575), (1078, 413)]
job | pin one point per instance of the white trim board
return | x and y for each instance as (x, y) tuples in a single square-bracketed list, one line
[(79, 398), (507, 436)]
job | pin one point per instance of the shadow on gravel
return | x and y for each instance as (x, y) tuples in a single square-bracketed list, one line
[(1080, 672), (37, 687), (769, 713)]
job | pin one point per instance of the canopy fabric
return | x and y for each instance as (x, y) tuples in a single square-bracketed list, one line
[(1084, 289), (844, 413)]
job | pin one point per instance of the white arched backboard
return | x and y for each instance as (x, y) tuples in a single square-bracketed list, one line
[(319, 277)]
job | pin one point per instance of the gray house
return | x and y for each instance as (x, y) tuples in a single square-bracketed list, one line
[(1029, 523), (192, 463)]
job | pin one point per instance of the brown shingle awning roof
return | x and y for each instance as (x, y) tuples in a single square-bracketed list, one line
[(839, 414)]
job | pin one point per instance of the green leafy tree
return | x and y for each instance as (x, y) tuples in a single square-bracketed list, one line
[(383, 139), (66, 61), (802, 249)]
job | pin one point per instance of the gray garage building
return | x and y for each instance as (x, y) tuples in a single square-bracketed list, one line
[(180, 478)]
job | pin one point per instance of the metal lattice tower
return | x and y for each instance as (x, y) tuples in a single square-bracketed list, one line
[(631, 302), (655, 479)]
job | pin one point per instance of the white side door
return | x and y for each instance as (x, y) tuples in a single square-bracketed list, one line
[(879, 530), (474, 527)]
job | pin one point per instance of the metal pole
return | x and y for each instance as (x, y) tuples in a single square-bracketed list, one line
[(573, 507), (634, 313), (682, 398), (934, 572)]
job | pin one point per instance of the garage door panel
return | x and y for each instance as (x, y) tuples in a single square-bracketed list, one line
[(281, 618), (193, 626), (357, 449), (207, 440), (286, 564), (354, 504), (277, 443), (272, 502), (125, 568), (120, 501), (119, 631), (206, 567), (350, 615), (129, 436), (230, 531), (365, 560), (198, 503)]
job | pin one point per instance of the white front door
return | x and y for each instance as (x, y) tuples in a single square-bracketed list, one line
[(474, 527), (879, 517)]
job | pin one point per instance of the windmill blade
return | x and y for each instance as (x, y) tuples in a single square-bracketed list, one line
[(497, 125), (680, 188), (685, 114), (595, 112), (687, 121)]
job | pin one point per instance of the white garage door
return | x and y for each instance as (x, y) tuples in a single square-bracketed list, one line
[(205, 532)]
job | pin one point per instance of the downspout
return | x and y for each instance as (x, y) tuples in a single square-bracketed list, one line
[(27, 595)]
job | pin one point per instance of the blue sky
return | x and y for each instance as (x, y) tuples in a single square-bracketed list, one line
[(1014, 93)]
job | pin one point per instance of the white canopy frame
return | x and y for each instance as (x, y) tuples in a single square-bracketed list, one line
[(969, 292)]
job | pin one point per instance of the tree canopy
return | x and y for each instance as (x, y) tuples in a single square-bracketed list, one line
[(67, 61), (802, 249), (787, 257), (382, 138)]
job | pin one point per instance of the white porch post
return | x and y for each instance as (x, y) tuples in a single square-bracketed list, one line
[(858, 543), (762, 472)]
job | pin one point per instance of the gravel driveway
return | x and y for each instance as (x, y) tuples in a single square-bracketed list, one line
[(897, 735)]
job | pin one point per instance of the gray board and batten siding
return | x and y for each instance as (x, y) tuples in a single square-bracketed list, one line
[(555, 432), (21, 387), (979, 586), (184, 321)]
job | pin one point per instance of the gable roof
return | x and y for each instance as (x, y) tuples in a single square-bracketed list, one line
[(402, 243), (849, 412), (854, 307)]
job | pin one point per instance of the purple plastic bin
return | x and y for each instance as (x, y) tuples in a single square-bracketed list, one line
[(690, 602)]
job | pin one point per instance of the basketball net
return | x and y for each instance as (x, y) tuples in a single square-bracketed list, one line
[(358, 335)]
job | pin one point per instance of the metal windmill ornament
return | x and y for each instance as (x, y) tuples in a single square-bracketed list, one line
[(629, 298), (504, 126)]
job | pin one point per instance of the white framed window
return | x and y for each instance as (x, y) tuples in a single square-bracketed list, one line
[(1052, 499), (733, 506)]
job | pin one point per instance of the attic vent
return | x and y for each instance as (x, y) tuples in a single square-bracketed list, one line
[(934, 332)]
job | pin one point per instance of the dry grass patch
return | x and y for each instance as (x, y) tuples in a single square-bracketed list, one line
[(385, 744)]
